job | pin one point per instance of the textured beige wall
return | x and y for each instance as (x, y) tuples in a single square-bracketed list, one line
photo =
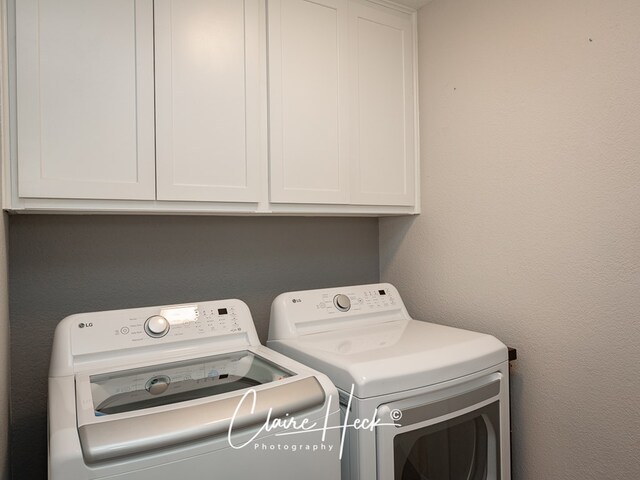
[(530, 145)]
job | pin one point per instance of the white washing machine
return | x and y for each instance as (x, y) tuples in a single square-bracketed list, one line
[(188, 392), (418, 400)]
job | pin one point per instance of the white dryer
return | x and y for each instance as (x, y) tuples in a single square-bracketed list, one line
[(184, 391), (418, 400)]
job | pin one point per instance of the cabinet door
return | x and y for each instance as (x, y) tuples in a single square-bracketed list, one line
[(85, 125), (208, 99), (383, 125), (308, 105)]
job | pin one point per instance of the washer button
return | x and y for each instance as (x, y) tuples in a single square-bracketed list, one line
[(156, 326)]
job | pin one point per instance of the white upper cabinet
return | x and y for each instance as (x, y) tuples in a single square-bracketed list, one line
[(84, 71), (211, 106), (342, 103), (308, 86), (208, 100), (383, 115)]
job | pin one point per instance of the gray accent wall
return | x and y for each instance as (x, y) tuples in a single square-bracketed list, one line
[(4, 352), (4, 288), (530, 224), (60, 265)]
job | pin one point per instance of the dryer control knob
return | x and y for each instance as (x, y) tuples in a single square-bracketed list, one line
[(342, 302), (156, 326)]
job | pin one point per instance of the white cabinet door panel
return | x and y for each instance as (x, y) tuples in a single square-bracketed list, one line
[(383, 106), (308, 105), (85, 99), (208, 100)]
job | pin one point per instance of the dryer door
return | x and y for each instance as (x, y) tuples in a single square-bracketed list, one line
[(446, 435)]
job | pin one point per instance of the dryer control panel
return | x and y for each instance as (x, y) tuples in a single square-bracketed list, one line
[(312, 311), (122, 329)]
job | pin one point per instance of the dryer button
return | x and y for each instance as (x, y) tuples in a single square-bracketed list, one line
[(342, 302), (156, 326)]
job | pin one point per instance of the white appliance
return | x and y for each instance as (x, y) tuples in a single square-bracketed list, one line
[(440, 394), (184, 391)]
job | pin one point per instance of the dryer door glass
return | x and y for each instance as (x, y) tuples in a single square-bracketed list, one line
[(462, 448), (130, 390)]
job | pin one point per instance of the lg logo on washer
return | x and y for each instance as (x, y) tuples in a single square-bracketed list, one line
[(83, 325)]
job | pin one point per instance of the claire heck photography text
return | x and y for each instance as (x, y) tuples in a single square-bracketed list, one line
[(290, 425)]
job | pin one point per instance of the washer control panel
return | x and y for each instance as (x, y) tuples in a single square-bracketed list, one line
[(112, 330)]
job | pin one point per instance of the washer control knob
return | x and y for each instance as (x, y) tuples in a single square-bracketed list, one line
[(342, 302), (156, 326)]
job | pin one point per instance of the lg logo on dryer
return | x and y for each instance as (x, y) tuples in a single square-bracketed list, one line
[(297, 300), (82, 325)]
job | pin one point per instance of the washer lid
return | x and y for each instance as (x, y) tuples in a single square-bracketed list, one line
[(149, 408), (394, 356), (166, 384)]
